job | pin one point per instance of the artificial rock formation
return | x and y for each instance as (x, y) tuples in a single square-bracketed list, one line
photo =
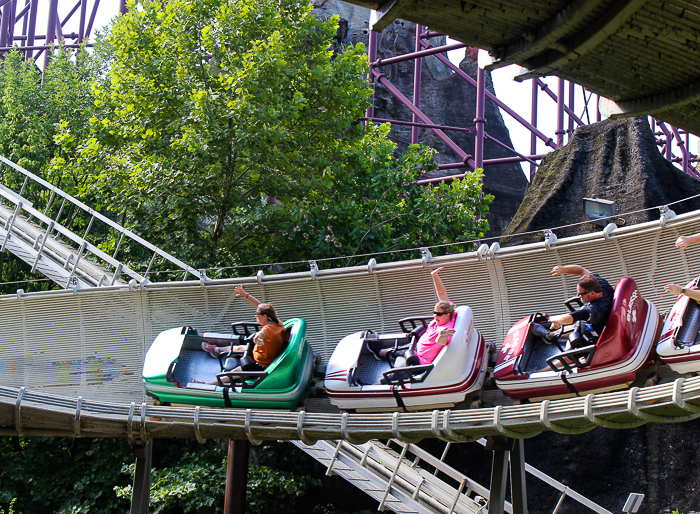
[(611, 160), (445, 98)]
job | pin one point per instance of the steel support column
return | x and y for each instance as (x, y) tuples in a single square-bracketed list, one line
[(572, 96), (560, 114), (236, 476), (533, 122), (416, 84), (141, 494), (83, 19), (50, 30), (480, 120), (372, 55), (499, 473), (31, 28), (518, 491), (5, 24)]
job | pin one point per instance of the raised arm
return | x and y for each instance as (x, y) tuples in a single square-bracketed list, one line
[(439, 286), (675, 290), (571, 269), (242, 292), (685, 241)]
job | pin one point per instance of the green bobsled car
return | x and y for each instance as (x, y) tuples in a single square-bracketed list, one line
[(177, 370)]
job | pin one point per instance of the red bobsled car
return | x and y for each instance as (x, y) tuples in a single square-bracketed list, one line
[(529, 367)]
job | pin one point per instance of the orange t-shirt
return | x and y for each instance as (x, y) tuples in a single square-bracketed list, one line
[(272, 336)]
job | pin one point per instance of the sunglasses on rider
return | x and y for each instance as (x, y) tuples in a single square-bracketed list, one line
[(439, 313)]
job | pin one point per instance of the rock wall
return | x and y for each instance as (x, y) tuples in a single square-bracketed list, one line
[(605, 465), (445, 98), (613, 160)]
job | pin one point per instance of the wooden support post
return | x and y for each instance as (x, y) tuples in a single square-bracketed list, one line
[(141, 493), (236, 476)]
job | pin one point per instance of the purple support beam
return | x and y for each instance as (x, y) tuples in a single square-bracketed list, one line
[(572, 95), (31, 29), (480, 120), (551, 94), (560, 114), (22, 16), (11, 29), (421, 53), (372, 54), (598, 116), (684, 150), (83, 16), (416, 85), (547, 140), (51, 29), (5, 24), (25, 22), (122, 7), (439, 133), (669, 140), (466, 130), (92, 18), (533, 118)]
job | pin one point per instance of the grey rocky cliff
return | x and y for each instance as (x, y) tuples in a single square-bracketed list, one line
[(445, 98), (612, 160)]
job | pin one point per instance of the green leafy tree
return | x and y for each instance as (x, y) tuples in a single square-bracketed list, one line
[(221, 126), (31, 114)]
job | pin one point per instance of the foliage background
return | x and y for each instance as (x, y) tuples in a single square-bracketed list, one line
[(226, 133)]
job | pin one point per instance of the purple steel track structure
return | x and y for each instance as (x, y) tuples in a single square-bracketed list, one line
[(18, 29), (18, 25), (668, 137)]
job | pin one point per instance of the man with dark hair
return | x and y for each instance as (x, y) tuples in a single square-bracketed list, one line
[(594, 291)]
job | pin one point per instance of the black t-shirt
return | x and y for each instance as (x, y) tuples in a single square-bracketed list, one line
[(597, 312)]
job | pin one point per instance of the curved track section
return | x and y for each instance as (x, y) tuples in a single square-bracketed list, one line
[(27, 413), (91, 342)]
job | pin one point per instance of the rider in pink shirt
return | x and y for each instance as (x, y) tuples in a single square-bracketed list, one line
[(441, 329)]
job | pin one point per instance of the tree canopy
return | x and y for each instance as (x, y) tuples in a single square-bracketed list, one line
[(227, 133)]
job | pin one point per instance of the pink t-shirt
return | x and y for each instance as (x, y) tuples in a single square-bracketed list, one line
[(428, 347)]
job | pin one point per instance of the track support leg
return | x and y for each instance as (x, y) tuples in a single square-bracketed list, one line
[(142, 479), (518, 491), (236, 476), (499, 473), (503, 448)]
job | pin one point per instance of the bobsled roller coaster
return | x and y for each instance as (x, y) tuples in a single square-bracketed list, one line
[(73, 357)]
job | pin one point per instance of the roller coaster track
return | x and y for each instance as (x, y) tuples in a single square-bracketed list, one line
[(72, 358)]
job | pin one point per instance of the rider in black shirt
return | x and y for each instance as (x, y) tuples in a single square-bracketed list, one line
[(594, 291)]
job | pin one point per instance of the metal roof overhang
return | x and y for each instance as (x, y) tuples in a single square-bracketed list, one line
[(642, 55)]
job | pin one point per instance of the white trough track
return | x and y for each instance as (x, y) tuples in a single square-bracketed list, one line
[(91, 342), (27, 413)]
